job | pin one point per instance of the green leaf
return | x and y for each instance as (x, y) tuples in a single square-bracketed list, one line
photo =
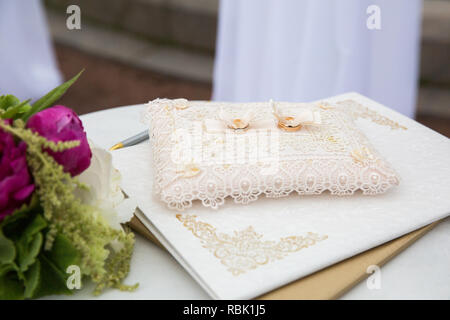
[(51, 279), (28, 251), (5, 268), (47, 100), (63, 253), (32, 279), (7, 101), (30, 242), (14, 224), (7, 250), (11, 288), (52, 276), (11, 112), (46, 276), (37, 225)]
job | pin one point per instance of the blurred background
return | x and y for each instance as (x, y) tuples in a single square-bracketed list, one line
[(137, 50)]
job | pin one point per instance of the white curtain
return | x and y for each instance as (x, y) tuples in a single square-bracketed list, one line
[(303, 50), (27, 65)]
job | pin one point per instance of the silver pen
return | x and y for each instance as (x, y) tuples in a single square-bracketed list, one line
[(131, 141)]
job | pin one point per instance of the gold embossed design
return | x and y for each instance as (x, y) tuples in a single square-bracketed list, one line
[(360, 111), (246, 249)]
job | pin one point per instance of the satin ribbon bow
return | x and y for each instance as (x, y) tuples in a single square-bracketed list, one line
[(296, 118)]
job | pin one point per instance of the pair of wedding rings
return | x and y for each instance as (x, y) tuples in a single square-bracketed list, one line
[(284, 123)]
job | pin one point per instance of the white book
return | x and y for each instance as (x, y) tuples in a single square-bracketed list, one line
[(241, 252)]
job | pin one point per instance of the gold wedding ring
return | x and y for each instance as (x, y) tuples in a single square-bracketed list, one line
[(239, 125), (283, 126)]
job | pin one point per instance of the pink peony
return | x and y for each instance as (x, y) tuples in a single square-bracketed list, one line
[(60, 123), (15, 180)]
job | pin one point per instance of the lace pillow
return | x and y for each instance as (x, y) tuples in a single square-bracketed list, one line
[(210, 151)]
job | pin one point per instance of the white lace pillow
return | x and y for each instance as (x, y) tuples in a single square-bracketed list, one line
[(210, 151)]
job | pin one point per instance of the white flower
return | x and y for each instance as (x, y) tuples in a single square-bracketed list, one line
[(301, 116), (104, 191)]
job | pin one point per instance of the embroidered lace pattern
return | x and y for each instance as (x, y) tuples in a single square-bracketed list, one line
[(192, 164), (245, 250)]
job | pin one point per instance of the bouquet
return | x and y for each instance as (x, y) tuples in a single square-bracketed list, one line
[(61, 207)]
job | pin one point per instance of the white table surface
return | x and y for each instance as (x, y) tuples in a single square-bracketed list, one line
[(422, 271)]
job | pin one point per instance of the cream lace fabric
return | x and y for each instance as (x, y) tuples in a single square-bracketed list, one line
[(192, 162)]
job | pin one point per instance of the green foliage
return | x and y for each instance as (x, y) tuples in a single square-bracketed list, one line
[(32, 278), (7, 250), (53, 265), (10, 286), (12, 108), (26, 270), (29, 243), (50, 98), (56, 230), (7, 101)]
